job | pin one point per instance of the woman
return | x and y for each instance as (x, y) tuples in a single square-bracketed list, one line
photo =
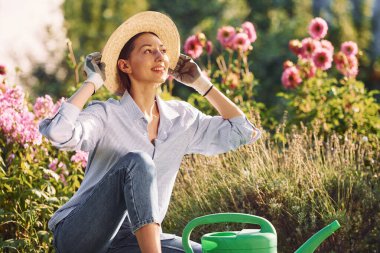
[(136, 144)]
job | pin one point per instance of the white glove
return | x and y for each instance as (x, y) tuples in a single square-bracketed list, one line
[(188, 73), (94, 70)]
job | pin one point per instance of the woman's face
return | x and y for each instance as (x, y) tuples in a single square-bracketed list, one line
[(148, 62)]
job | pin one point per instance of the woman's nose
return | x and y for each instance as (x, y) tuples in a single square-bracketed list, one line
[(159, 55)]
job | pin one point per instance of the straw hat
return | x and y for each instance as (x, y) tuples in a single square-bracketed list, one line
[(147, 21)]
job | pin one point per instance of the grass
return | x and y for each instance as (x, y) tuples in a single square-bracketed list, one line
[(300, 185)]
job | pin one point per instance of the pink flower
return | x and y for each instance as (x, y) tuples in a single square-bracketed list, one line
[(353, 66), (53, 164), (340, 59), (347, 65), (225, 36), (209, 47), (318, 28), (327, 45), (322, 59), (295, 46), (43, 106), (80, 157), (250, 30), (349, 48), (193, 47), (3, 70), (309, 46), (351, 70), (291, 77), (241, 42)]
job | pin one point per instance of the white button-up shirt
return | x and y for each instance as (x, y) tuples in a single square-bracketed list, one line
[(109, 130)]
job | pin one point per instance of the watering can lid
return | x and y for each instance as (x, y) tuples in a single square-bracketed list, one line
[(244, 239)]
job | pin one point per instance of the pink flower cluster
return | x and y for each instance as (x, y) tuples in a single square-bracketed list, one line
[(237, 39), (229, 37), (55, 164), (17, 123), (45, 107), (314, 53), (42, 106), (80, 157)]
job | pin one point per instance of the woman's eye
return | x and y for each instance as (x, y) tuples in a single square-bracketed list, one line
[(148, 51), (163, 51)]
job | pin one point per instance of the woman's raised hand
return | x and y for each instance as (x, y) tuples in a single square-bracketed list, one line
[(188, 73), (94, 70)]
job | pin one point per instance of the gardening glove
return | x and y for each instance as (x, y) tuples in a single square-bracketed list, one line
[(94, 70), (188, 73)]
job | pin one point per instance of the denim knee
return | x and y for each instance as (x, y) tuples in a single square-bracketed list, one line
[(141, 160)]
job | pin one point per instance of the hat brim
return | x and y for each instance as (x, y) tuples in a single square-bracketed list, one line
[(147, 21)]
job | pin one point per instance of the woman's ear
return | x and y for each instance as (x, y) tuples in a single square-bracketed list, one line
[(124, 66)]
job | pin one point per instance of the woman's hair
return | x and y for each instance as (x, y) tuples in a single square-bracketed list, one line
[(124, 54)]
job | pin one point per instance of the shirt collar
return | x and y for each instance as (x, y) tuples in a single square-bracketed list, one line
[(166, 112)]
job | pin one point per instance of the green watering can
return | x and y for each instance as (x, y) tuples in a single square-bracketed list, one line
[(262, 240)]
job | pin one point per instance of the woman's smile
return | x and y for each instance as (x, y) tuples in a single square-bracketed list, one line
[(159, 69)]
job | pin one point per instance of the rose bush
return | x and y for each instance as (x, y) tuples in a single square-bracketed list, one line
[(320, 95)]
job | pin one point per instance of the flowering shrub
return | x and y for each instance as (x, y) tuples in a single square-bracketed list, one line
[(316, 97), (35, 178), (231, 73), (16, 122)]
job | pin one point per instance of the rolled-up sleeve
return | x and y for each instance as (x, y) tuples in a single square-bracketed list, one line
[(214, 135), (71, 129)]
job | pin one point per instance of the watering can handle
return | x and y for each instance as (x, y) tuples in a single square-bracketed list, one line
[(266, 226)]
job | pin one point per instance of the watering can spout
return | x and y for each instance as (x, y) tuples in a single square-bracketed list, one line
[(313, 242)]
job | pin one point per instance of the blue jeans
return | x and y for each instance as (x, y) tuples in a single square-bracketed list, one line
[(124, 200)]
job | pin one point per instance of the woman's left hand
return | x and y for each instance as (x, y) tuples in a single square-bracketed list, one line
[(188, 73)]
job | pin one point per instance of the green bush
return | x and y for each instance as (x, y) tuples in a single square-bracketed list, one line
[(31, 193), (334, 105)]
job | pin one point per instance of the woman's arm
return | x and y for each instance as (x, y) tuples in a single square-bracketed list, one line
[(213, 134), (95, 80), (226, 108), (188, 73), (70, 128), (80, 97)]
